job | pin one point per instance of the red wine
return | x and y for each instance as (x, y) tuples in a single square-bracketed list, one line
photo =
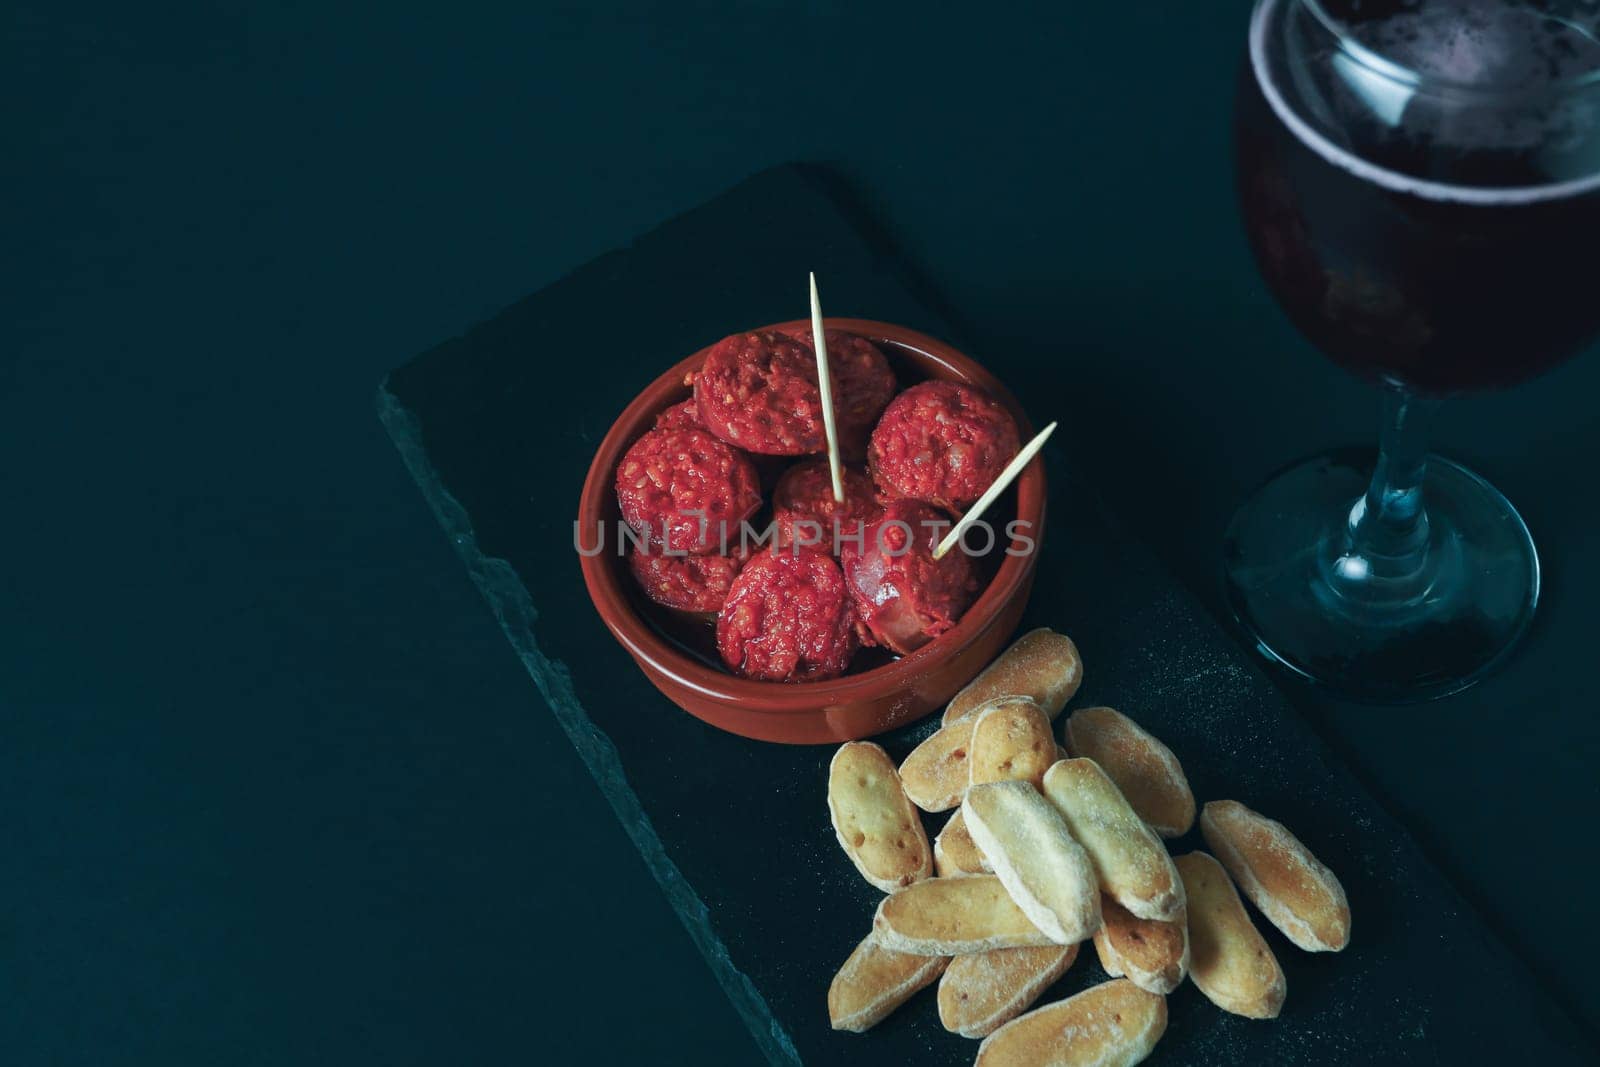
[(1422, 188)]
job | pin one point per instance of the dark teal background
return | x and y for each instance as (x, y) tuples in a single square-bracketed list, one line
[(273, 787)]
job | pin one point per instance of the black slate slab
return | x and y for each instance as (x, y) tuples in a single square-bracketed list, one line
[(498, 427)]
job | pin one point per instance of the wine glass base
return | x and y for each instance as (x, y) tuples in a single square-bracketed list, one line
[(1479, 597)]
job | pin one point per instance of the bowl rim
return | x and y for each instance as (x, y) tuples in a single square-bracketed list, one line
[(642, 641)]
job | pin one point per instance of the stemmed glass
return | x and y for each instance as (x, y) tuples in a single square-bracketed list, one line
[(1420, 183)]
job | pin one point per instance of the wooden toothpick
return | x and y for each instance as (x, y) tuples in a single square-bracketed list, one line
[(825, 386), (1007, 476)]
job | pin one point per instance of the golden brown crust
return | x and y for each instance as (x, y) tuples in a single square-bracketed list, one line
[(1041, 664), (1115, 1024), (1153, 955), (876, 825), (1011, 740), (1102, 947), (1146, 771), (1293, 889), (936, 773), (955, 855), (1229, 961), (952, 917), (875, 981), (981, 992), (1044, 870), (1130, 860)]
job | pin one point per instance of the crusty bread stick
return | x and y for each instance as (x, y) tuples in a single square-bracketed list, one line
[(952, 917), (1115, 1024), (954, 852), (1011, 739), (1042, 664), (1146, 771), (875, 981), (1152, 955), (1045, 871), (981, 992), (1296, 893), (1132, 863), (1229, 961), (876, 825), (937, 772)]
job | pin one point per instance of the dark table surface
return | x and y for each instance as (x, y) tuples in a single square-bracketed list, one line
[(272, 786)]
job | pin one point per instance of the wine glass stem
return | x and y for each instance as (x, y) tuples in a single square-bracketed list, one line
[(1385, 557)]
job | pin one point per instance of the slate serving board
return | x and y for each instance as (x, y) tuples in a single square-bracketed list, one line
[(498, 428)]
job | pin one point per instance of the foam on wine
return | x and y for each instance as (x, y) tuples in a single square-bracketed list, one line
[(1475, 51)]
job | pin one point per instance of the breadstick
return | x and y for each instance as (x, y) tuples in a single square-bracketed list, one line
[(955, 854), (981, 992), (952, 917), (1153, 955), (1102, 949), (1011, 739), (1047, 873), (937, 771), (876, 825), (1229, 961), (1115, 1024), (1041, 664), (875, 981), (1296, 893), (1144, 769), (1132, 863)]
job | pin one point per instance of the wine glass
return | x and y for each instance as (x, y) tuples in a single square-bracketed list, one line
[(1420, 183)]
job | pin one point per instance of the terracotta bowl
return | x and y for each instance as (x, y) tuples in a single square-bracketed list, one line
[(856, 705)]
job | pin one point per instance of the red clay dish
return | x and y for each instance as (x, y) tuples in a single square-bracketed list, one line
[(856, 705)]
